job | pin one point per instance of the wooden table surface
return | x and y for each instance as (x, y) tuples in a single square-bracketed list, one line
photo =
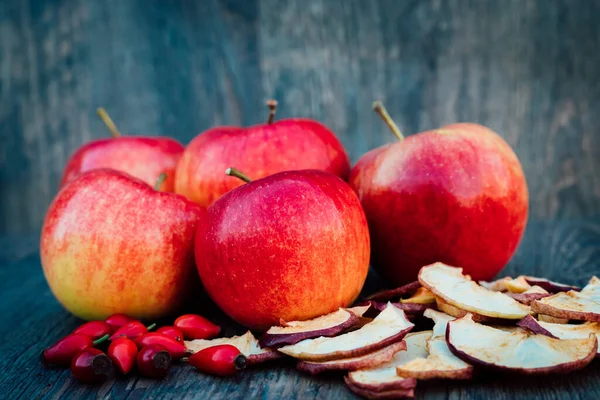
[(567, 251)]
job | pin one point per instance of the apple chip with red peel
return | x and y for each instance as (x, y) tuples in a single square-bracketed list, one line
[(439, 363), (561, 331), (527, 298), (293, 332), (391, 394), (408, 308), (457, 313), (454, 288), (552, 287), (246, 344), (517, 351), (421, 296), (531, 324), (392, 294), (359, 311), (390, 326), (498, 285), (570, 305), (384, 377), (370, 360)]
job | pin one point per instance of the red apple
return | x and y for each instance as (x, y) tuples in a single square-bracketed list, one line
[(259, 151), (291, 246), (456, 195), (112, 244), (144, 157)]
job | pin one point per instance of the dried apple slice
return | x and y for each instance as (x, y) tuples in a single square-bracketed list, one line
[(552, 320), (387, 295), (571, 305), (592, 289), (421, 296), (408, 393), (390, 326), (457, 313), (533, 293), (560, 331), (531, 324), (552, 287), (370, 360), (517, 351), (440, 320), (384, 377), (517, 285), (409, 308), (293, 332), (246, 344), (439, 363), (455, 289), (498, 285)]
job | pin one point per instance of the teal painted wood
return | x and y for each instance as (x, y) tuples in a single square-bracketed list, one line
[(527, 68), (32, 319)]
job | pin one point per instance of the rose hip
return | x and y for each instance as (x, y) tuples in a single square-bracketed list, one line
[(91, 366), (116, 321), (176, 349), (122, 351), (94, 329), (62, 352), (172, 332), (154, 361), (221, 360), (132, 330), (196, 327)]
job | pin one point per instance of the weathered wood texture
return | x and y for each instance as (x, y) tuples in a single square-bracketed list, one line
[(32, 319), (527, 68)]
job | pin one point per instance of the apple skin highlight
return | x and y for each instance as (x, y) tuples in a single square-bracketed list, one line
[(292, 246), (258, 151), (112, 244), (456, 195)]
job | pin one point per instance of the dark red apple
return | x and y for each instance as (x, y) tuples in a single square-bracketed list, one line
[(291, 246), (259, 151), (143, 157), (455, 194), (112, 244)]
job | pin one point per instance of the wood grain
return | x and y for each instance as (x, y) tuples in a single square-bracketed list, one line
[(527, 68), (32, 319)]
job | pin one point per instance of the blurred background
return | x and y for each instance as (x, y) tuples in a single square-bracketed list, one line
[(528, 69)]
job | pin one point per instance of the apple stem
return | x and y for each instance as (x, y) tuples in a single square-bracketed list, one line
[(382, 112), (238, 174), (108, 122), (272, 104), (161, 178)]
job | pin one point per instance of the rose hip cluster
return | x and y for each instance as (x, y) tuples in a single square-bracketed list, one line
[(131, 343)]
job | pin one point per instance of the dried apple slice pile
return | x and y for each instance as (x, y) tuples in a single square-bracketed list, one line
[(583, 305), (515, 325)]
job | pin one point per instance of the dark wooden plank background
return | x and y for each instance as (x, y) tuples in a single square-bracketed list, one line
[(529, 69), (31, 319)]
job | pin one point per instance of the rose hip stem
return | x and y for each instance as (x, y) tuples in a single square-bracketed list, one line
[(221, 360), (132, 330)]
